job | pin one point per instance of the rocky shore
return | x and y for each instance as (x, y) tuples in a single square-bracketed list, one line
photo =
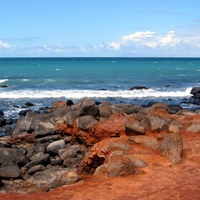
[(67, 143)]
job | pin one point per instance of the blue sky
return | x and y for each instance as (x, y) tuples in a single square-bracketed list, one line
[(91, 28)]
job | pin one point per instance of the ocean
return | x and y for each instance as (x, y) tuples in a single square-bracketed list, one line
[(45, 80)]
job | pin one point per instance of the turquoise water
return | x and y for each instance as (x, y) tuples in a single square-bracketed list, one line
[(43, 80)]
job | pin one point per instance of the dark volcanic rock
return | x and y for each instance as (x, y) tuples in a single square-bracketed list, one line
[(138, 88), (10, 172)]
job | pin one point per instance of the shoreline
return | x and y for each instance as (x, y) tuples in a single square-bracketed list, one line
[(68, 136)]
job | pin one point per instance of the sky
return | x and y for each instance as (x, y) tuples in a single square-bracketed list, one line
[(99, 28)]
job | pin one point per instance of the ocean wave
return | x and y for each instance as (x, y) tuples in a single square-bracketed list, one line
[(3, 80), (79, 94)]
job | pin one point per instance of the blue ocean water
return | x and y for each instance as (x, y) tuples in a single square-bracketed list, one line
[(44, 80)]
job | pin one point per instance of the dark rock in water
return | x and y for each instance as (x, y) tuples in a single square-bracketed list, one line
[(103, 89), (195, 92), (174, 108), (2, 121), (138, 88), (69, 102), (10, 172), (29, 104), (8, 130), (23, 112), (1, 113), (9, 121), (4, 86)]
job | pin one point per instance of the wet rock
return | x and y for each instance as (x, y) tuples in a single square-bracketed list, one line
[(29, 104), (2, 121), (138, 88), (147, 141), (1, 113), (10, 172), (172, 147), (55, 146), (48, 138)]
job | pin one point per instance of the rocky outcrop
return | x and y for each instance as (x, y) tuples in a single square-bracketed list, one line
[(104, 140)]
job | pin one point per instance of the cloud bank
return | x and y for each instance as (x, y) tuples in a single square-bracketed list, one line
[(146, 43)]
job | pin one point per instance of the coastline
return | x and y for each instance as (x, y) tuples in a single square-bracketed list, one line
[(98, 131)]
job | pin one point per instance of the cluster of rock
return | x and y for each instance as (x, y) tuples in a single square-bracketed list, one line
[(70, 139), (196, 95)]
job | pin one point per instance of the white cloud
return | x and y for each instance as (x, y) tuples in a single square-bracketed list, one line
[(4, 45), (169, 40)]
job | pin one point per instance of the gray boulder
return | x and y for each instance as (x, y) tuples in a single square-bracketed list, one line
[(172, 147), (55, 146), (10, 172), (37, 159), (86, 122), (13, 155), (89, 107), (36, 168)]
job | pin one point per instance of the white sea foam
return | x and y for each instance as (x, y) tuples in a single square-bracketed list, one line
[(3, 80), (78, 94)]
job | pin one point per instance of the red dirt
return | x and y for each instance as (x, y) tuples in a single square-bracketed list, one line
[(159, 180)]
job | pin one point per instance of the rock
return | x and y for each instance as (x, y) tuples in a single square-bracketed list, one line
[(44, 128), (147, 141), (29, 104), (37, 159), (134, 127), (172, 147), (10, 172), (13, 155), (159, 107), (4, 86), (105, 111), (70, 152), (195, 92), (86, 122), (1, 113), (48, 138), (2, 121), (70, 162), (69, 102), (101, 170), (194, 128), (69, 178), (36, 168), (55, 146), (173, 109), (89, 107), (138, 88), (156, 122), (118, 164)]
